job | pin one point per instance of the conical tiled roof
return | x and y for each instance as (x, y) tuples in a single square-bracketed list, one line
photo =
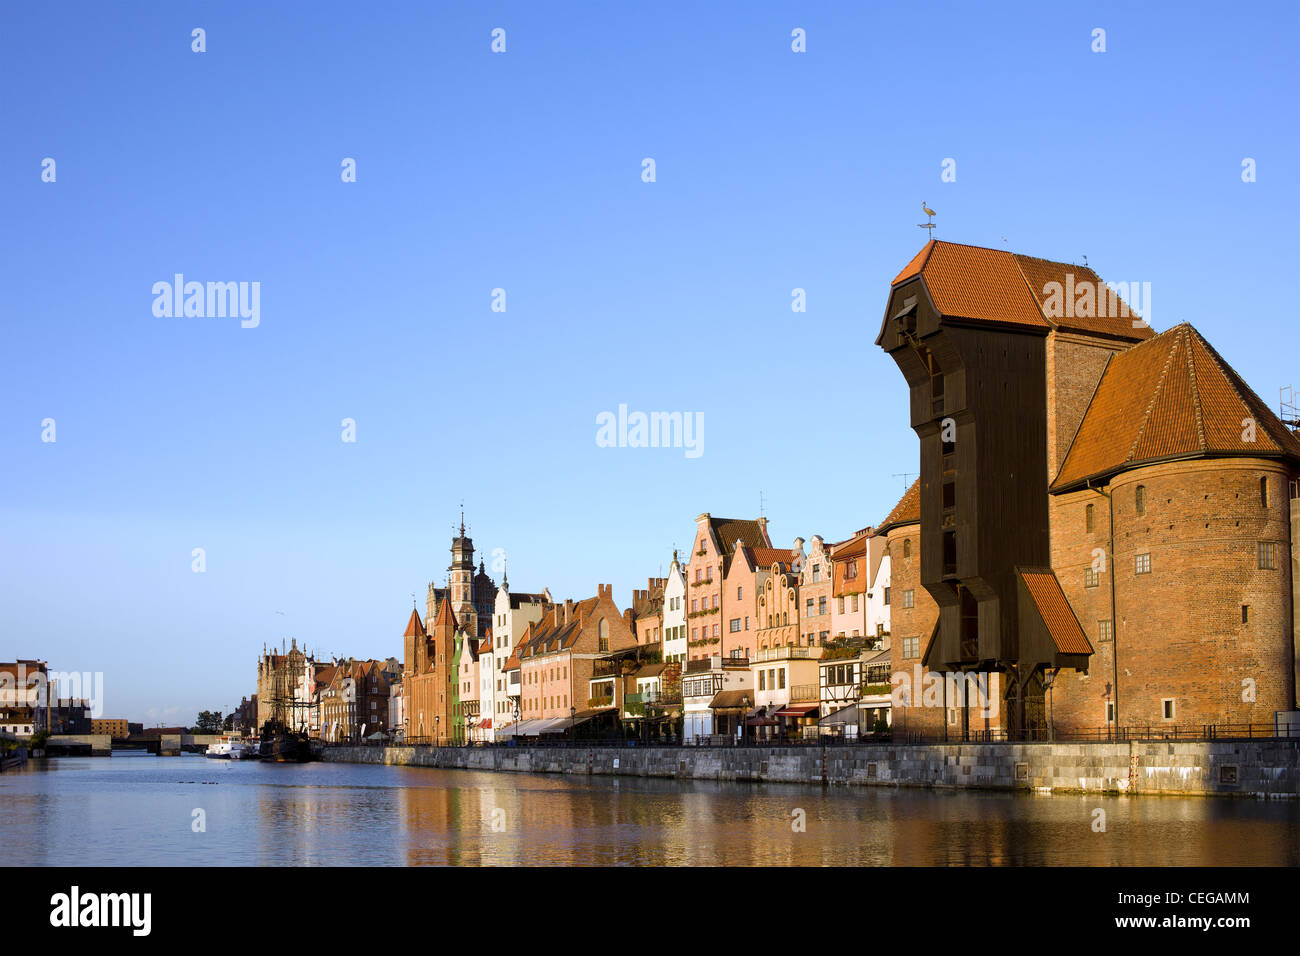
[(414, 627), (446, 616), (1170, 397)]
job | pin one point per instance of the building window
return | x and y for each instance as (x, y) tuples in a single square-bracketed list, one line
[(841, 600), (1110, 711), (909, 598), (816, 573), (1263, 492), (855, 602), (911, 647), (780, 674), (734, 625), (1267, 556), (740, 592), (1088, 518), (907, 549), (886, 597), (1105, 631), (1245, 614), (821, 605), (1090, 578), (604, 635), (1142, 563), (1167, 708), (1140, 499), (810, 607)]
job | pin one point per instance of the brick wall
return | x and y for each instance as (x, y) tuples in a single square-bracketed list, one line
[(1179, 628)]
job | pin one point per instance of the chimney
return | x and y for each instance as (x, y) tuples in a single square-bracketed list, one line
[(568, 609), (762, 524)]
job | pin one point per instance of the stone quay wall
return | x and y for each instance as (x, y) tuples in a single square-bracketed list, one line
[(1257, 768)]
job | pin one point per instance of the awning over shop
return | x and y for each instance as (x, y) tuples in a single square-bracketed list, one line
[(729, 700), (844, 716), (798, 710)]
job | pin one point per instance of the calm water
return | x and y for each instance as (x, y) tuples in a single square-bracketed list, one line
[(133, 810)]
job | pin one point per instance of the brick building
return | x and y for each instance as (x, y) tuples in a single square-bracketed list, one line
[(707, 607), (1102, 511), (429, 676), (558, 654)]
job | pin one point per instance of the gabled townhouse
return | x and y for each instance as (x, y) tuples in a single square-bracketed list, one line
[(747, 573), (714, 543), (816, 580), (674, 615), (849, 593), (465, 661)]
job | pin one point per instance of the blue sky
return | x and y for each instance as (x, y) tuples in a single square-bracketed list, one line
[(522, 171)]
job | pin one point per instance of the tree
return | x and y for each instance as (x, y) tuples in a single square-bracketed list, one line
[(209, 722), (229, 723)]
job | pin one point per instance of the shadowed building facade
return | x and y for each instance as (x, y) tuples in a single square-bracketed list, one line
[(1037, 396)]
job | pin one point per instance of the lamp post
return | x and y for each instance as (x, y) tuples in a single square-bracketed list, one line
[(437, 729), (744, 709), (573, 712)]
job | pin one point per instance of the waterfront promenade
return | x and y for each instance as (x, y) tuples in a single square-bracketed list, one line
[(1249, 768)]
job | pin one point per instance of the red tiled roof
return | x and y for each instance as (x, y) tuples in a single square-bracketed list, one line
[(766, 557), (1170, 397), (414, 627), (907, 511), (1055, 610), (994, 285), (446, 616)]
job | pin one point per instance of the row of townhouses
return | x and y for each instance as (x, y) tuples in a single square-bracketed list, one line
[(1101, 538)]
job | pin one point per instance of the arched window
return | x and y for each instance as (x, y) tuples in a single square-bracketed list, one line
[(1140, 499), (1263, 492), (907, 549), (1088, 518), (603, 632)]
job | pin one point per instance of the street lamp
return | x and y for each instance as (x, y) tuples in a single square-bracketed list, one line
[(744, 710), (573, 712), (437, 729)]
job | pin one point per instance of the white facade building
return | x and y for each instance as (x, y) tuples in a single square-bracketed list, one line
[(510, 618), (675, 614)]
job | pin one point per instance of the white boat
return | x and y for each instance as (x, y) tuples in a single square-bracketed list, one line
[(231, 748)]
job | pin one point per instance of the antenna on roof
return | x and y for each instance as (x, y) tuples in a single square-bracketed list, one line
[(930, 213), (1085, 262), (762, 505), (907, 477), (1288, 411)]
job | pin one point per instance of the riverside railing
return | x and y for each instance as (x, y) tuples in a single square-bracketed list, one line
[(897, 736)]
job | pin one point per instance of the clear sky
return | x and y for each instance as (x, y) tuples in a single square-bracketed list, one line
[(522, 171)]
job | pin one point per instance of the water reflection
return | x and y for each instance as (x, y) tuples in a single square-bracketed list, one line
[(84, 811)]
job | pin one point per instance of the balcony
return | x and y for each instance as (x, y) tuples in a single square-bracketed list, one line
[(804, 693), (791, 652)]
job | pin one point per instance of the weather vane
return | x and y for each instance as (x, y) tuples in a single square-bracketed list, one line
[(927, 225)]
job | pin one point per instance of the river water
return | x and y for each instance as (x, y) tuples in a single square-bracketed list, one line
[(135, 809)]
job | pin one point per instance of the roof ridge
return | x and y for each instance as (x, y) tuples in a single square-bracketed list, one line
[(1032, 294), (1151, 403), (1249, 398), (1195, 388)]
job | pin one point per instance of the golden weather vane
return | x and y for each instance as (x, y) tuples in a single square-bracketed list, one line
[(929, 226)]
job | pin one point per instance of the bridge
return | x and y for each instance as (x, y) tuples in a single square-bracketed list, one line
[(101, 745)]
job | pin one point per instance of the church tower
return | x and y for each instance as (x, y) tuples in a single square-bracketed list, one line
[(460, 579)]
